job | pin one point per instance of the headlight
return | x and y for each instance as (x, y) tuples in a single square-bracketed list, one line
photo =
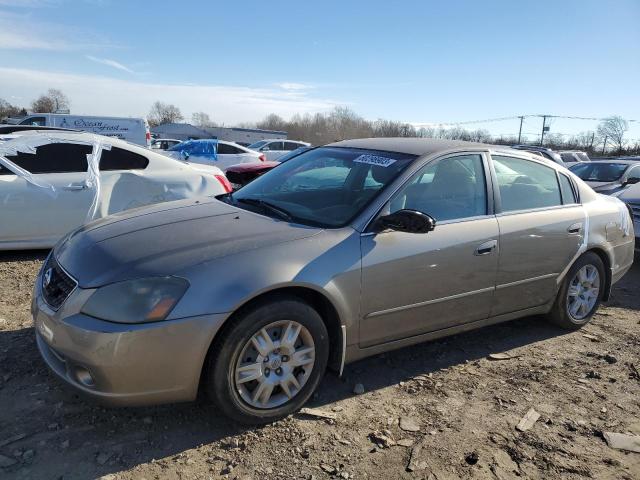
[(136, 301)]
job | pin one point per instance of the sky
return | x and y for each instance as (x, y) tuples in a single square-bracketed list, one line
[(426, 62)]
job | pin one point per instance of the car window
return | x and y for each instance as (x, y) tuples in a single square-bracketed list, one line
[(531, 185), (54, 158), (449, 189), (275, 146), (121, 159), (583, 156), (257, 145), (39, 121), (291, 145), (228, 149), (5, 171), (568, 157), (634, 172), (567, 190), (599, 171), (326, 186)]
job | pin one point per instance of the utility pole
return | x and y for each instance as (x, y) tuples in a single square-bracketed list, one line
[(604, 145), (520, 131), (544, 126), (593, 137)]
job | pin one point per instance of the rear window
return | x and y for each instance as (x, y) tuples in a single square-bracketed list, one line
[(223, 148), (54, 158), (255, 146), (599, 172), (120, 159)]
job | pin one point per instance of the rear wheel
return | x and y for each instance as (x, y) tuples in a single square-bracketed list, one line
[(580, 294), (267, 364)]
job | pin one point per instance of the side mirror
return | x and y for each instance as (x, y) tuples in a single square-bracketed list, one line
[(631, 181), (410, 221), (184, 154)]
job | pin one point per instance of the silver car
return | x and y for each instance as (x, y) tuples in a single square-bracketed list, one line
[(344, 251)]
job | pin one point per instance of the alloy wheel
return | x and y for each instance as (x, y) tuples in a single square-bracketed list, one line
[(583, 291), (275, 364)]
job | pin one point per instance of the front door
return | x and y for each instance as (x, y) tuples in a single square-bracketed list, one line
[(37, 214), (418, 283)]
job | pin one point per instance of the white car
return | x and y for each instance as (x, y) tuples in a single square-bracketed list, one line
[(214, 152), (164, 143), (274, 149), (53, 182)]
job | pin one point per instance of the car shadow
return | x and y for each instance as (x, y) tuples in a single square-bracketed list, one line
[(22, 255), (127, 437)]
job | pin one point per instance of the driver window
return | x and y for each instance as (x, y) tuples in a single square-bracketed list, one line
[(449, 189)]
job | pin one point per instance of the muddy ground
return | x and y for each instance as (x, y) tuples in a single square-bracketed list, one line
[(458, 409)]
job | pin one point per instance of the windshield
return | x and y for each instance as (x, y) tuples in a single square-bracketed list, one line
[(599, 172), (257, 145), (293, 153), (324, 187)]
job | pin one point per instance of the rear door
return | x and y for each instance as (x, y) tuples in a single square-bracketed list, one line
[(541, 229), (31, 213), (274, 150)]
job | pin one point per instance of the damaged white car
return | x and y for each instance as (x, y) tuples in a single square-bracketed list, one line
[(53, 182)]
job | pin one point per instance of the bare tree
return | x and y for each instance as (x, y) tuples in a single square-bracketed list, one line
[(613, 129), (162, 113), (8, 110), (51, 102), (202, 120), (272, 122)]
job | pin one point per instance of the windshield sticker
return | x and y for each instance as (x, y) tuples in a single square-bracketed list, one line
[(375, 160)]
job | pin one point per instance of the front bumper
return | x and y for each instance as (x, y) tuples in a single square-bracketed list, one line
[(122, 364)]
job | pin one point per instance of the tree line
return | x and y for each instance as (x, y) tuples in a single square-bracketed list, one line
[(343, 123)]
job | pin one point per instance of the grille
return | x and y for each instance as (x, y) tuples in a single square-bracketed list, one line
[(56, 284), (635, 209)]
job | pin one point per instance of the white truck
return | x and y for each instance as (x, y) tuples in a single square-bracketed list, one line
[(134, 130)]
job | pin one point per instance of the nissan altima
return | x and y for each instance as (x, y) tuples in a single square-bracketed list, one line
[(345, 251)]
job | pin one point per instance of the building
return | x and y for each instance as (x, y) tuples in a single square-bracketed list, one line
[(186, 131)]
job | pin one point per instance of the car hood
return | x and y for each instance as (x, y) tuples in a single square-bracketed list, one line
[(630, 194), (165, 238)]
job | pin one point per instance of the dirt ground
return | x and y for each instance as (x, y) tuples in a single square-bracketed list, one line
[(441, 410)]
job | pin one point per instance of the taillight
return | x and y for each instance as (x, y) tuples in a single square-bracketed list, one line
[(148, 137), (225, 183), (262, 157)]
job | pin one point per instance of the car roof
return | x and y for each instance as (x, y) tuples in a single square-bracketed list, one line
[(413, 146)]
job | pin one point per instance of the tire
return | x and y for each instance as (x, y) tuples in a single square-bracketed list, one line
[(563, 312), (233, 382)]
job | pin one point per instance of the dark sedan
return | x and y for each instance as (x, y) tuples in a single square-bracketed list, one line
[(608, 176)]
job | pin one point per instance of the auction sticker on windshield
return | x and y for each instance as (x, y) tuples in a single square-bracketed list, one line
[(375, 160)]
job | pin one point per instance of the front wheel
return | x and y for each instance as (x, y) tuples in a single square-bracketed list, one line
[(268, 362), (580, 294)]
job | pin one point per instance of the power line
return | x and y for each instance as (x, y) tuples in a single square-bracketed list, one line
[(515, 117)]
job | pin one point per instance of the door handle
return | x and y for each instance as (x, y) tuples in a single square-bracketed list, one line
[(575, 228), (75, 186), (486, 248)]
